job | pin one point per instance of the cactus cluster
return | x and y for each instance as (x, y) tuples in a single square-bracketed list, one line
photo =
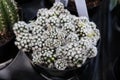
[(8, 16), (57, 38)]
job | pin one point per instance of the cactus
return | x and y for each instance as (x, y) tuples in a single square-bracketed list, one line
[(8, 15), (57, 39)]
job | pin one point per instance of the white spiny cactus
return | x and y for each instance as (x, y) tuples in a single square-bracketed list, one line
[(57, 38)]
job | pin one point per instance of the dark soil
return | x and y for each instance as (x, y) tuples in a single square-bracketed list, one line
[(5, 38)]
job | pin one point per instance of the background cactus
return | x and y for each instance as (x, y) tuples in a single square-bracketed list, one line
[(8, 16)]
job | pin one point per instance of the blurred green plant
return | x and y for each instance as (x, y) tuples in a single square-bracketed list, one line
[(113, 3), (8, 15)]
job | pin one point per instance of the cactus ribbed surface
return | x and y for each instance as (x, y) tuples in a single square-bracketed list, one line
[(8, 15)]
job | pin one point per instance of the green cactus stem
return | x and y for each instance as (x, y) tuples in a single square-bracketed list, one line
[(8, 15), (2, 21)]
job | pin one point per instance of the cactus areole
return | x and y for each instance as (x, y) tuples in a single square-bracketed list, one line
[(8, 16)]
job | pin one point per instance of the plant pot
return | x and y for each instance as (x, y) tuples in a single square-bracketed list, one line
[(8, 50)]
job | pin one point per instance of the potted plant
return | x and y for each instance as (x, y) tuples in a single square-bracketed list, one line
[(8, 16), (57, 42)]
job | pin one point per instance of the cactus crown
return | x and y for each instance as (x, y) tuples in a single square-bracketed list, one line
[(8, 15)]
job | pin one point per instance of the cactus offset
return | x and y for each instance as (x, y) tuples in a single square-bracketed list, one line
[(8, 15)]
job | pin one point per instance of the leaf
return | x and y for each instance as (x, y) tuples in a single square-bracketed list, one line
[(113, 3)]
